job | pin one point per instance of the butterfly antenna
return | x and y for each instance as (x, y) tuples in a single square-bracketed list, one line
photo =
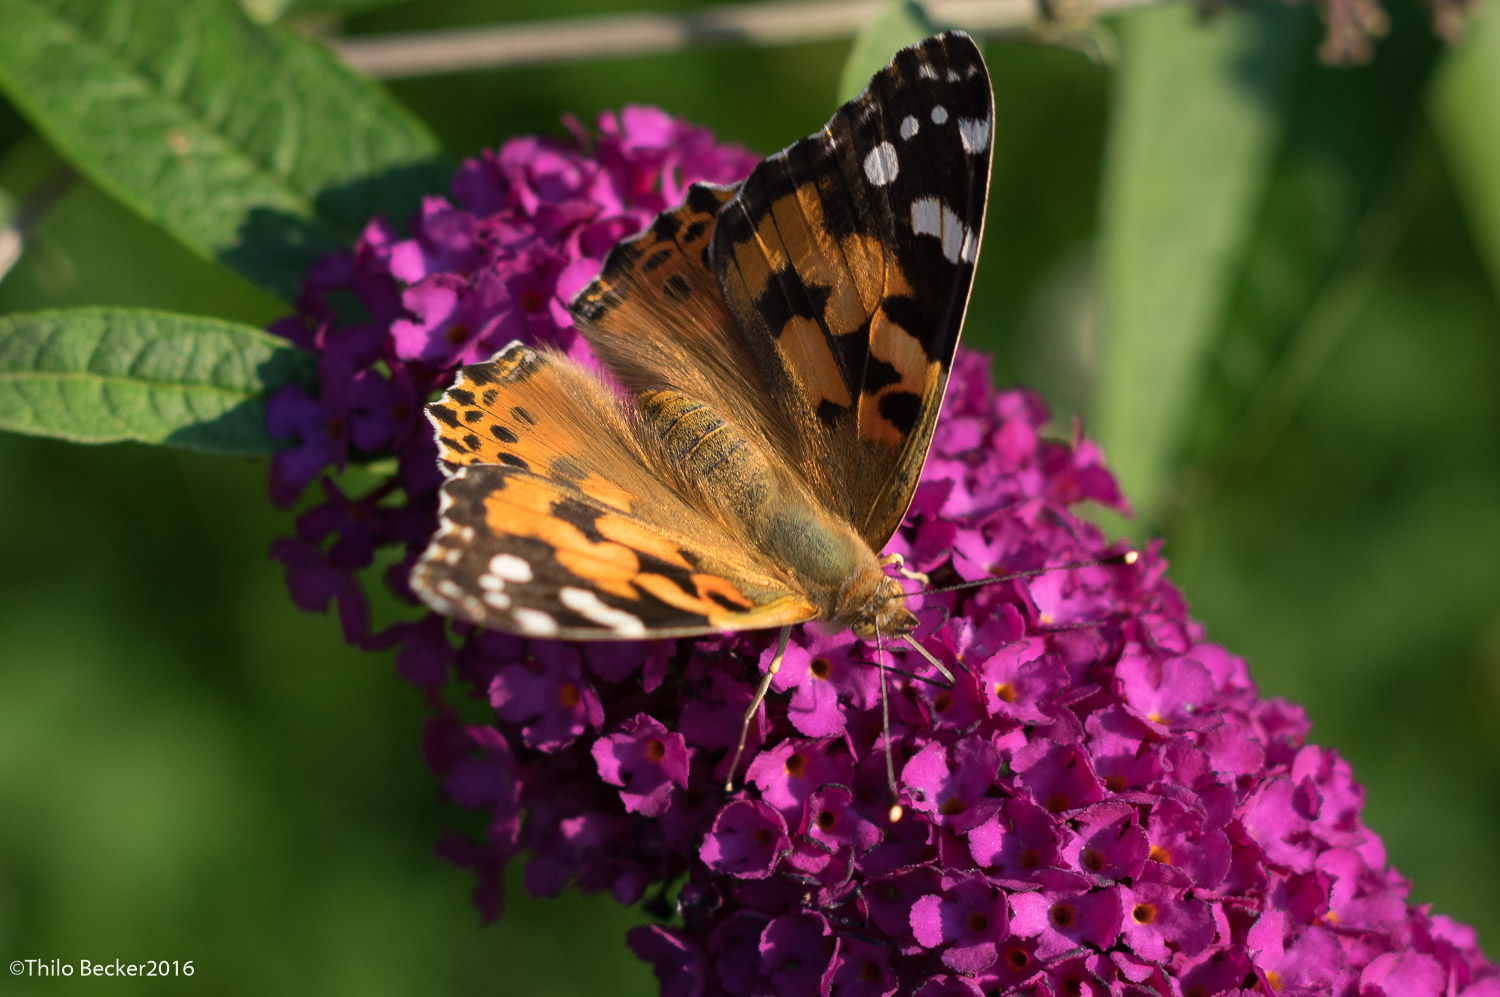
[(1128, 557), (760, 697), (904, 673), (885, 728), (942, 669)]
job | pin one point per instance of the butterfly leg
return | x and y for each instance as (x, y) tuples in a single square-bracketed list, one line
[(760, 696), (896, 811), (935, 663), (899, 563)]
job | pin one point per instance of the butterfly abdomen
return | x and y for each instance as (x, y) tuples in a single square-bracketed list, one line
[(775, 514), (711, 451)]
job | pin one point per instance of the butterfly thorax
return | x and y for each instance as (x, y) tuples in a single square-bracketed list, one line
[(728, 468)]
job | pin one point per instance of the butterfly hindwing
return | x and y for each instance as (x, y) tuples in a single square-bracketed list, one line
[(556, 520), (846, 262)]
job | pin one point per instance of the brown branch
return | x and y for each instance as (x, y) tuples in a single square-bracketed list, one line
[(620, 35)]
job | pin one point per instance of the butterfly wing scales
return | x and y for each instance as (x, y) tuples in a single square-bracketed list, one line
[(557, 521), (515, 551), (851, 253), (655, 319)]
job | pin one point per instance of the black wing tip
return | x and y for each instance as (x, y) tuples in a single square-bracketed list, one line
[(953, 51)]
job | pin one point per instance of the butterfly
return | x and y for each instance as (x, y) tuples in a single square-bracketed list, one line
[(784, 345)]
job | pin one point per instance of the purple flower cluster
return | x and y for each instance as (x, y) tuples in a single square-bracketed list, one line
[(1101, 804)]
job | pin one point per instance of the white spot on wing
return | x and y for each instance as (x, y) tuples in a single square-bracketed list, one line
[(970, 249), (880, 165), (510, 567), (534, 622), (975, 134), (952, 76), (590, 606), (909, 127), (497, 599), (926, 216), (926, 72), (939, 114), (929, 216)]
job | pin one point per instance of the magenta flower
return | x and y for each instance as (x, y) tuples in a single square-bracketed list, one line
[(1101, 804), (966, 921), (747, 840), (1067, 915), (646, 760), (952, 786)]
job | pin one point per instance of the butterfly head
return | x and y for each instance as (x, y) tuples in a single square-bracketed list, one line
[(877, 606)]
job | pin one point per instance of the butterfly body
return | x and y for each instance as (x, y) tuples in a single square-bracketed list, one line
[(783, 346), (842, 576)]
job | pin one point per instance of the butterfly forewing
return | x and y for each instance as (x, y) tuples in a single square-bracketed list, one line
[(846, 262), (557, 521), (655, 319)]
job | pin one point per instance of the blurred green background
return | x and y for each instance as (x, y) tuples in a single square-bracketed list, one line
[(1267, 285)]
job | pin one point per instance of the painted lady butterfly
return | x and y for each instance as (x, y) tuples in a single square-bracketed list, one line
[(786, 342)]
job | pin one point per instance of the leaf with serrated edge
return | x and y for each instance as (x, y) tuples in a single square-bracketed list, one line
[(103, 375), (251, 145)]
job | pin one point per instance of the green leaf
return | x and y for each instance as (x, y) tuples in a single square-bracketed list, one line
[(250, 144), (101, 375), (1465, 110), (898, 25), (1335, 207), (1193, 130)]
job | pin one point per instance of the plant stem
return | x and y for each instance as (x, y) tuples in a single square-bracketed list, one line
[(620, 35)]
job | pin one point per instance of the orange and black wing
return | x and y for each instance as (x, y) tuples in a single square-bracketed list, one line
[(655, 318), (554, 520), (846, 260)]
